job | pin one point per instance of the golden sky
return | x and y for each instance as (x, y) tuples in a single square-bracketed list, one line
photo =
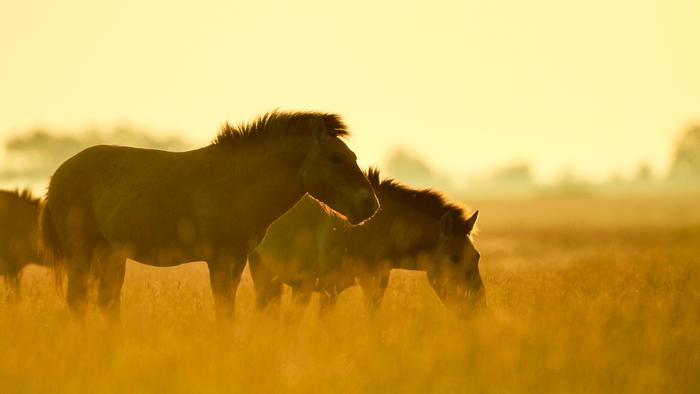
[(596, 85)]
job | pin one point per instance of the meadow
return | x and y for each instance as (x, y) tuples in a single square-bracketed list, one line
[(585, 294)]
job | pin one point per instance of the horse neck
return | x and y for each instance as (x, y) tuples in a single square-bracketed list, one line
[(273, 168), (419, 233), (393, 210)]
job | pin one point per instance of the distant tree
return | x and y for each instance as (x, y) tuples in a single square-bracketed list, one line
[(569, 183), (517, 173), (408, 168), (510, 180), (686, 157), (32, 156), (411, 169), (643, 173)]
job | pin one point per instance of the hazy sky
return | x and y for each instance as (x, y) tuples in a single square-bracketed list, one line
[(595, 85)]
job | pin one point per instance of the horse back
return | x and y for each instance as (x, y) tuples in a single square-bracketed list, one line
[(115, 190)]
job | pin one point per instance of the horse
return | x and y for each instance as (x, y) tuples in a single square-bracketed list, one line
[(212, 204), (310, 249), (19, 211)]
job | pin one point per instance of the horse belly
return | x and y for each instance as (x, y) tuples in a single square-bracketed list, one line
[(292, 271), (162, 257)]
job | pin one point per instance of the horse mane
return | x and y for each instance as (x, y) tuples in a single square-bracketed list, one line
[(427, 201), (24, 194), (282, 123)]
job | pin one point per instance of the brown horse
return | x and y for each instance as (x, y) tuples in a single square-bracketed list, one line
[(212, 204), (309, 249), (18, 230)]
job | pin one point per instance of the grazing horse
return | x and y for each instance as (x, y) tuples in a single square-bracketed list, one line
[(310, 249), (18, 230), (211, 204)]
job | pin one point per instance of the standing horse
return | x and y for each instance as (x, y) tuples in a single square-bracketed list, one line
[(212, 204), (310, 249), (18, 230)]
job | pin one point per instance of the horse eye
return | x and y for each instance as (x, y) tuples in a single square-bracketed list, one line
[(454, 258), (336, 159)]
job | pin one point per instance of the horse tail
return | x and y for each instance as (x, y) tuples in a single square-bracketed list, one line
[(50, 247)]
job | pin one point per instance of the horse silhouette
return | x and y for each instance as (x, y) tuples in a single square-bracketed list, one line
[(211, 204), (310, 249), (18, 231)]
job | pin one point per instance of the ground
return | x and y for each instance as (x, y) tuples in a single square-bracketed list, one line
[(584, 295)]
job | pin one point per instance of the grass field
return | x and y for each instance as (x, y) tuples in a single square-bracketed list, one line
[(585, 295)]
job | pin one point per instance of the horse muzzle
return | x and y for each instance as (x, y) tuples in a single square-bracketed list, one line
[(365, 207)]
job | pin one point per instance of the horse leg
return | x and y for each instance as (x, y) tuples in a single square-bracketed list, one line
[(13, 281), (301, 296), (268, 289), (327, 300), (236, 273), (78, 269), (94, 275), (224, 275), (112, 266), (374, 288)]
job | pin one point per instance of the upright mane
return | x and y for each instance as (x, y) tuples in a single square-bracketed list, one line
[(24, 194), (278, 123), (427, 201)]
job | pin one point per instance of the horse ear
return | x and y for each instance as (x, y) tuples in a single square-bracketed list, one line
[(472, 221), (318, 129), (446, 223)]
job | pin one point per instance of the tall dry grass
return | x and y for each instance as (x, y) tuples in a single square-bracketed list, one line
[(584, 295)]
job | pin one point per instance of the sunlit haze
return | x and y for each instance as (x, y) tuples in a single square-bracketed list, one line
[(595, 87), (530, 223)]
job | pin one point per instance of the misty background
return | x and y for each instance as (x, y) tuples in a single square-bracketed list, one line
[(30, 157), (497, 98)]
